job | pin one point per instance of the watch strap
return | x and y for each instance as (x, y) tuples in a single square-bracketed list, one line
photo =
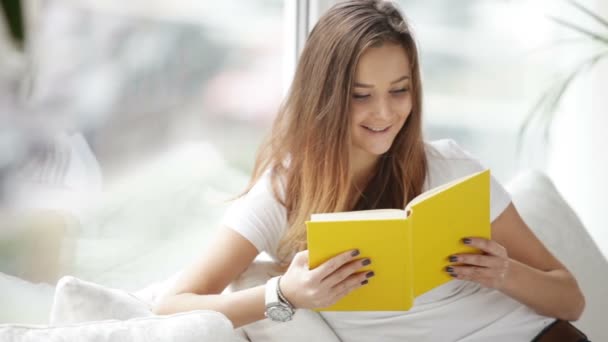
[(282, 296), (271, 295)]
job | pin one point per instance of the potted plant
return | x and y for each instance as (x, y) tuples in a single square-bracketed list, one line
[(544, 111), (14, 18)]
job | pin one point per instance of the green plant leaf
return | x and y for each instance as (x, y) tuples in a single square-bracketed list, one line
[(579, 29), (558, 43), (589, 12), (549, 114), (13, 12), (530, 116), (545, 107)]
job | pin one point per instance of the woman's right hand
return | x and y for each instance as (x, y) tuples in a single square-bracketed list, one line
[(326, 284)]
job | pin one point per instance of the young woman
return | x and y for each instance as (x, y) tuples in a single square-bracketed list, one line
[(349, 137)]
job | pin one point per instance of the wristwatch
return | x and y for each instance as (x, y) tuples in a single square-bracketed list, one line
[(278, 308)]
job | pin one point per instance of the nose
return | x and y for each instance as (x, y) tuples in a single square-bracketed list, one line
[(383, 109)]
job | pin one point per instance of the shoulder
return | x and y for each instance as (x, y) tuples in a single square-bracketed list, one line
[(264, 188), (445, 150), (447, 161), (261, 199), (258, 215)]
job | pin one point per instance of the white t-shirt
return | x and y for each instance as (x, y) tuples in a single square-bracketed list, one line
[(456, 311)]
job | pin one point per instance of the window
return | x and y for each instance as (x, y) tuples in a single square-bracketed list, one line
[(484, 65), (173, 99)]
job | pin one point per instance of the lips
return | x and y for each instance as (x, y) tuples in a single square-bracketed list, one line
[(376, 129)]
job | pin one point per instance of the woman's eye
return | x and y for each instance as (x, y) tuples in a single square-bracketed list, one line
[(360, 96), (402, 90)]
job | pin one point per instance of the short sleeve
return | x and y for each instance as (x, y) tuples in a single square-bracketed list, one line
[(449, 161), (258, 216)]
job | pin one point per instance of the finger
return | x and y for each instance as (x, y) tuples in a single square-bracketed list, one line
[(331, 265), (470, 272), (349, 284), (301, 258), (477, 260), (489, 246), (345, 271), (484, 276)]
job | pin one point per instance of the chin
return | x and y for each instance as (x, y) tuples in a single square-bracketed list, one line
[(377, 151)]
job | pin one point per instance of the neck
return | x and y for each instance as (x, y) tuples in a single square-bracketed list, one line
[(362, 167)]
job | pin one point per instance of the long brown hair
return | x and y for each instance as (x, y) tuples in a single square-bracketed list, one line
[(308, 148)]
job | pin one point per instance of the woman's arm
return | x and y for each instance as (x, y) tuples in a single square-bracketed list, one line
[(518, 264), (201, 284), (230, 254)]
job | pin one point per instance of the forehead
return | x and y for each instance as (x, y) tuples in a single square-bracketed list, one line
[(382, 64)]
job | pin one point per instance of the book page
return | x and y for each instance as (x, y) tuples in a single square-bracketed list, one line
[(441, 221), (438, 189), (361, 215)]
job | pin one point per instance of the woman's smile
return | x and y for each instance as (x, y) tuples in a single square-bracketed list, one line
[(375, 129)]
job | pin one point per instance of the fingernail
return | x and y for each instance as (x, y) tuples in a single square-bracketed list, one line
[(449, 269), (366, 262), (466, 241), (453, 275), (453, 258), (364, 282), (355, 253), (369, 274)]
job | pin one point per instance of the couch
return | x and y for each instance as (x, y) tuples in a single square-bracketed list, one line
[(76, 309)]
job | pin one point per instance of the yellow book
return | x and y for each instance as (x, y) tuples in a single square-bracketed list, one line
[(409, 248)]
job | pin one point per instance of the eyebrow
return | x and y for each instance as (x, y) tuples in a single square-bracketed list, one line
[(362, 85)]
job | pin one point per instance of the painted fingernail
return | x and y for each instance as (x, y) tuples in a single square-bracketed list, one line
[(369, 274), (453, 258), (355, 253), (366, 262), (364, 282), (449, 269), (466, 241)]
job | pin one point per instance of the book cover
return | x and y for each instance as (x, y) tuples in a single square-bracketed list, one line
[(409, 248)]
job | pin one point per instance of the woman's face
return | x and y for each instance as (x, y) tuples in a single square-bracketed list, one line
[(381, 99)]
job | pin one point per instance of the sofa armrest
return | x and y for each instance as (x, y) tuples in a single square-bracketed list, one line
[(555, 223)]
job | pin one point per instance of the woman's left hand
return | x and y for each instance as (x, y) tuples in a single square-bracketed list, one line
[(490, 269)]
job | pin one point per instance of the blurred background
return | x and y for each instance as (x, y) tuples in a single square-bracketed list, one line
[(126, 126)]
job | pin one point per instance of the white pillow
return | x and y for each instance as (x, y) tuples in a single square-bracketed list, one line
[(152, 293), (24, 302), (79, 301), (558, 227), (306, 325), (195, 326)]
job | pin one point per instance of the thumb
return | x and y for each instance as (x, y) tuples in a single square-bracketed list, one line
[(301, 258)]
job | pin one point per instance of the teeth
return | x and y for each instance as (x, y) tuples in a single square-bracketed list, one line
[(376, 129)]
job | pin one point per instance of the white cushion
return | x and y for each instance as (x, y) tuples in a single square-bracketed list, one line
[(79, 301), (152, 293), (195, 326), (24, 302), (557, 226), (306, 326)]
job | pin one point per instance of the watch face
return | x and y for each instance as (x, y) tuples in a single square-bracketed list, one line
[(279, 313)]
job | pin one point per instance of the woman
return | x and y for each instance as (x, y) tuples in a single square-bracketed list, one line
[(349, 137)]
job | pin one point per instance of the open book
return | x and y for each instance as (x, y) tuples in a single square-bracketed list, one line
[(409, 248)]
